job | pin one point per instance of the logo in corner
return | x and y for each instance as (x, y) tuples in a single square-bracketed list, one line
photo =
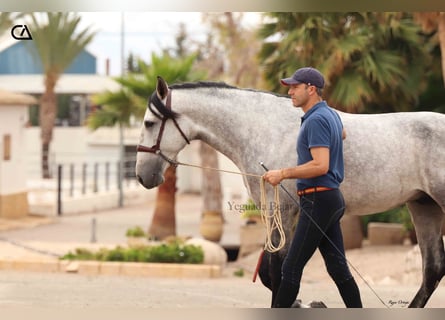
[(21, 32)]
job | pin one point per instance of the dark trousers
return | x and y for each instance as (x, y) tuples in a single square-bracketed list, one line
[(325, 208)]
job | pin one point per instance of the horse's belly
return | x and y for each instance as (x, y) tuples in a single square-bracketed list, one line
[(375, 202)]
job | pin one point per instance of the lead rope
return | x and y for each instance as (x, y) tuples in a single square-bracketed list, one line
[(271, 222)]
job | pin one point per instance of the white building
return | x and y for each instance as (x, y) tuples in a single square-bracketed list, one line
[(13, 187)]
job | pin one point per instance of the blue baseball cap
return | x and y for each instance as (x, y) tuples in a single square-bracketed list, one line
[(307, 75)]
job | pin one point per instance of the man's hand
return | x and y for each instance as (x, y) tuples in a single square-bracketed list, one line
[(273, 177)]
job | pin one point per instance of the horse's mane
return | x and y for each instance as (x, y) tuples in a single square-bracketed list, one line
[(222, 85), (204, 84), (201, 84)]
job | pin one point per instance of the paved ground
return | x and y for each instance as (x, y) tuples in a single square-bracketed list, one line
[(61, 290), (77, 291)]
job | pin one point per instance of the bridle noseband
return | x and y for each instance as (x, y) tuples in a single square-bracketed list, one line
[(156, 148)]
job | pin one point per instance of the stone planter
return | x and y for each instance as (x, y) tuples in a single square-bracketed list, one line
[(137, 241), (384, 233), (214, 254), (211, 226), (252, 238), (351, 227)]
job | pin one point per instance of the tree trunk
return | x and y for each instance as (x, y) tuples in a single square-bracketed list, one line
[(46, 173), (163, 223), (211, 227), (441, 33), (47, 115)]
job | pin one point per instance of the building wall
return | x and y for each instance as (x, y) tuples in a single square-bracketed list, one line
[(13, 188), (12, 172), (18, 59)]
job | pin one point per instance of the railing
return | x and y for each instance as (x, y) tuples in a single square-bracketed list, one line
[(85, 178)]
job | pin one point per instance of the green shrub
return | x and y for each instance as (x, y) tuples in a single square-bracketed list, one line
[(80, 254), (135, 232), (239, 272), (116, 254), (175, 252), (250, 209)]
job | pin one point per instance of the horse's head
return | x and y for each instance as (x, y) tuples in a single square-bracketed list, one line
[(162, 132)]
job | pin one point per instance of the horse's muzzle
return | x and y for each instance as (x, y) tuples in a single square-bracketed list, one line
[(150, 182)]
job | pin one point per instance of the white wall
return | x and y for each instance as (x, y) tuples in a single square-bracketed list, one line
[(69, 145), (12, 172)]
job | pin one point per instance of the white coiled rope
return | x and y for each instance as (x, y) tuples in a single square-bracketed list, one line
[(272, 221)]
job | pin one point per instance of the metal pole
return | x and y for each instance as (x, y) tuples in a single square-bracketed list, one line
[(71, 179), (93, 230), (121, 129), (96, 173), (107, 176), (59, 190), (122, 44), (84, 178), (121, 168)]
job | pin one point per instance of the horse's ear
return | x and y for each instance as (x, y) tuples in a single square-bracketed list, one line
[(161, 88)]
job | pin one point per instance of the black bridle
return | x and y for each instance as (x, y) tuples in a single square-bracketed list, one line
[(156, 148)]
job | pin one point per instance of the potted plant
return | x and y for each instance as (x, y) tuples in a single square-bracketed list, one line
[(251, 212), (136, 236)]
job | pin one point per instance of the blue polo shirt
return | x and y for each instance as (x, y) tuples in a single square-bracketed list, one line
[(321, 126)]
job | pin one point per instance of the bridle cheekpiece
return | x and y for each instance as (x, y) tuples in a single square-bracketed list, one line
[(156, 148)]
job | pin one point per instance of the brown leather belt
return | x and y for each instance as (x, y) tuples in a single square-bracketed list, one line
[(312, 190)]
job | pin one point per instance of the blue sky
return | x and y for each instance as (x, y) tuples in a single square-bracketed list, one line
[(145, 32)]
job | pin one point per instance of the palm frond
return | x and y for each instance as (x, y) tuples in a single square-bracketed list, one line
[(56, 41)]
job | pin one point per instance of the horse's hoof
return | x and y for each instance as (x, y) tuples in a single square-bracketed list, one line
[(312, 304), (317, 304), (298, 304)]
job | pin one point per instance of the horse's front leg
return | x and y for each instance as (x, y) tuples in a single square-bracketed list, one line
[(427, 217), (270, 272)]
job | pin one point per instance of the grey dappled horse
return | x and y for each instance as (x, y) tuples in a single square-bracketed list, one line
[(390, 159)]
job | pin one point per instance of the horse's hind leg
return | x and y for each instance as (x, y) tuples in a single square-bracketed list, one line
[(427, 217)]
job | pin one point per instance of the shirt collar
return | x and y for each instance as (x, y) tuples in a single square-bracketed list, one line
[(316, 106)]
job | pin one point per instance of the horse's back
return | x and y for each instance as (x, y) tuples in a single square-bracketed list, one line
[(391, 158)]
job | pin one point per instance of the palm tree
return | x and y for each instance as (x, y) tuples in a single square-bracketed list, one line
[(367, 58), (56, 43), (118, 107), (238, 61), (6, 20), (434, 22)]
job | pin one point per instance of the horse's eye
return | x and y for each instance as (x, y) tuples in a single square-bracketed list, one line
[(148, 124)]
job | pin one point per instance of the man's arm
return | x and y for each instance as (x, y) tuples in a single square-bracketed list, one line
[(318, 166)]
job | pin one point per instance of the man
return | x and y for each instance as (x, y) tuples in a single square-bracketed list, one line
[(319, 172)]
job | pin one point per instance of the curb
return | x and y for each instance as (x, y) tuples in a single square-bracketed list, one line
[(27, 222), (93, 268)]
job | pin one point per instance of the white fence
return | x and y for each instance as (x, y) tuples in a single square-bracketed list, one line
[(89, 176)]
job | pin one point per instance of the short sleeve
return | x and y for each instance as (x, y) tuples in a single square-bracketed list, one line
[(318, 133)]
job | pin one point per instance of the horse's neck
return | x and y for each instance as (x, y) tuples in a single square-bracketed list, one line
[(245, 126)]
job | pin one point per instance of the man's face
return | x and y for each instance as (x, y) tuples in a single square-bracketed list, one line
[(299, 94)]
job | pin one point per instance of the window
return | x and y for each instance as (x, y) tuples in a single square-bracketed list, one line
[(6, 147)]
